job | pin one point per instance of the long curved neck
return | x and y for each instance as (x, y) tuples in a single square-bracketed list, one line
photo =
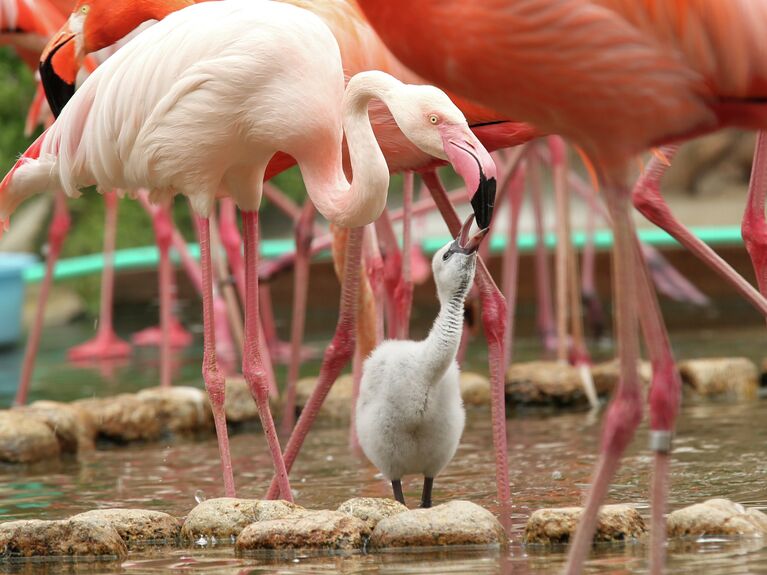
[(445, 336), (362, 201)]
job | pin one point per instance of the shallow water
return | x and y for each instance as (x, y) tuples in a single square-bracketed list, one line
[(719, 452)]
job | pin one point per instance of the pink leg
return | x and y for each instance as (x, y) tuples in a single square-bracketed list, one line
[(392, 268), (625, 410), (374, 270), (542, 276), (648, 200), (252, 361), (560, 252), (592, 304), (356, 380), (337, 354), (106, 344), (214, 379), (304, 232), (493, 319), (516, 191), (56, 234), (163, 235), (754, 227), (403, 295)]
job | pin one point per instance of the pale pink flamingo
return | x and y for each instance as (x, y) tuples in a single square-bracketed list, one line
[(188, 101)]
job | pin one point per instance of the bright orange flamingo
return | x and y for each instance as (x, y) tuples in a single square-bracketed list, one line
[(615, 77)]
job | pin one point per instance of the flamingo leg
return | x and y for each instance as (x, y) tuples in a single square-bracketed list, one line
[(516, 191), (57, 232), (214, 379), (649, 201), (392, 276), (304, 235), (591, 302), (337, 354), (106, 344), (163, 231), (403, 295), (494, 320), (625, 410), (252, 360), (560, 250), (754, 227)]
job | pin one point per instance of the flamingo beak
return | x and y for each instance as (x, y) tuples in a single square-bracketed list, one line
[(58, 69), (465, 243), (473, 163)]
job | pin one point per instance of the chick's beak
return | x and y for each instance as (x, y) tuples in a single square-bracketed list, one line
[(465, 243), (58, 69), (473, 163)]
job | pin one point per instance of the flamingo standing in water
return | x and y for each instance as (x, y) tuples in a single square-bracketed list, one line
[(284, 90), (616, 77)]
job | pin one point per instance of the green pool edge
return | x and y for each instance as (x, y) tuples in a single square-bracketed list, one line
[(147, 257)]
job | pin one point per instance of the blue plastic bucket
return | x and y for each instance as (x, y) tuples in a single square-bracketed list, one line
[(12, 267)]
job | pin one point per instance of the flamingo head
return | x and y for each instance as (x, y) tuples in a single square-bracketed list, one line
[(455, 263), (430, 120), (92, 25)]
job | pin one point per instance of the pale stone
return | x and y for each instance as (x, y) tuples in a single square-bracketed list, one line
[(614, 523), (371, 510), (182, 409), (337, 405), (55, 539), (24, 439), (306, 530), (475, 388), (733, 377), (545, 383), (137, 525), (453, 523), (716, 517), (74, 427), (225, 517), (607, 374), (239, 404), (124, 417), (63, 306)]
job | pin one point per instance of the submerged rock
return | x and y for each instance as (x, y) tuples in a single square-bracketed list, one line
[(614, 523), (25, 439), (73, 427), (716, 517), (137, 525), (337, 405), (182, 409), (124, 417), (371, 510), (607, 374), (733, 377), (305, 530), (226, 517), (546, 383), (475, 388), (56, 539), (239, 404), (453, 523)]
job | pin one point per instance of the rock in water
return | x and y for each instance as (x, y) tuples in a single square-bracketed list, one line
[(56, 539), (305, 530), (453, 523), (733, 377), (137, 525), (614, 523), (546, 383), (182, 409), (239, 404), (607, 374), (74, 428), (124, 417), (225, 517), (337, 405), (24, 439), (716, 517), (371, 510), (475, 388)]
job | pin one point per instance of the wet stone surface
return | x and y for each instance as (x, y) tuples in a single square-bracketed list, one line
[(475, 388), (124, 417), (182, 409), (725, 377), (24, 439), (74, 428), (545, 383), (55, 539), (239, 404), (607, 374), (371, 510), (225, 517), (453, 523), (137, 525), (328, 530), (716, 517), (337, 405), (557, 526)]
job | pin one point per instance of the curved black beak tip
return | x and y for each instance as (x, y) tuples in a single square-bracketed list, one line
[(57, 91), (483, 201)]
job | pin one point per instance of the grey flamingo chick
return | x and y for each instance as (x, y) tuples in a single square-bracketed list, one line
[(410, 414)]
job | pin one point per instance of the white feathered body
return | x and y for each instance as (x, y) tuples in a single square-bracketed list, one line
[(201, 100), (410, 415)]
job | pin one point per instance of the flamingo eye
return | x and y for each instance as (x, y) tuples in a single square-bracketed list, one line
[(85, 9), (433, 118)]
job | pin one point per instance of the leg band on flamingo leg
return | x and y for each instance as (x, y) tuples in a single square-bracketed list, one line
[(337, 354), (661, 441)]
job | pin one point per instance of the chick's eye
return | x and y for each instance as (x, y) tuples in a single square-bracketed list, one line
[(446, 255), (433, 118)]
